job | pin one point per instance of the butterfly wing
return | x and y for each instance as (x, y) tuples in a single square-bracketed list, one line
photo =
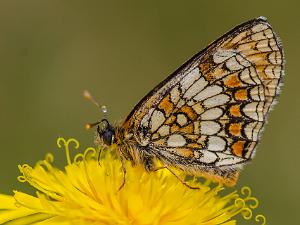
[(207, 116)]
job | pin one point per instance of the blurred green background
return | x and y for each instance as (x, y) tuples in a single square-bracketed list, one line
[(50, 51)]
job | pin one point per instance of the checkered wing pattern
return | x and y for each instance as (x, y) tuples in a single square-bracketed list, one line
[(207, 116)]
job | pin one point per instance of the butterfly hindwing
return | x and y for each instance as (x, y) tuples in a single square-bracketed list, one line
[(207, 116)]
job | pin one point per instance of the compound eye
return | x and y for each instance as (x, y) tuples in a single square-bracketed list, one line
[(102, 127), (106, 131)]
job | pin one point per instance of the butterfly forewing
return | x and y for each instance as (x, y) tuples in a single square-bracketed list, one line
[(207, 116)]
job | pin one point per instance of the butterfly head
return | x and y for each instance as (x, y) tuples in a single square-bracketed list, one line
[(106, 132)]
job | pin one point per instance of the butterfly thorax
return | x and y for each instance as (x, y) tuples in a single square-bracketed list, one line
[(126, 145), (132, 150)]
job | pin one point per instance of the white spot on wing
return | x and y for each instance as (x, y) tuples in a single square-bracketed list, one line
[(256, 131), (250, 129), (209, 127), (190, 78), (269, 71), (146, 118), (228, 159), (258, 36), (164, 130), (245, 76), (208, 92), (254, 75), (257, 93), (217, 100), (273, 44), (211, 114), (157, 119), (233, 64), (196, 127), (262, 44), (222, 55), (195, 88), (250, 110), (180, 103), (176, 140), (181, 119), (260, 109), (277, 71), (208, 157), (243, 61), (216, 143), (175, 95), (259, 27), (275, 58), (268, 33)]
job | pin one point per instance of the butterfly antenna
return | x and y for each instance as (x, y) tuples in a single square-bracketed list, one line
[(89, 97), (103, 108), (91, 125)]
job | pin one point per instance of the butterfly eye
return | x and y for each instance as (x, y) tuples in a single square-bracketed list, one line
[(106, 132), (103, 126)]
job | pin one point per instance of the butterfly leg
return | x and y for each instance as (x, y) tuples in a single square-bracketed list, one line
[(159, 168), (124, 173), (99, 156), (179, 178)]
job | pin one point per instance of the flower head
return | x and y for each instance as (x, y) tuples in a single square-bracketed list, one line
[(86, 192)]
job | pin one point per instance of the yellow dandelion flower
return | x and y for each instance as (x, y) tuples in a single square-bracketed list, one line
[(86, 192)]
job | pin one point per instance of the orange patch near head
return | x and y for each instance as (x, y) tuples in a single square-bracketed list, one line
[(160, 142), (170, 120), (194, 145), (189, 129), (235, 111), (209, 77), (241, 94), (189, 112), (233, 81), (219, 72), (204, 67), (235, 129), (238, 147), (166, 105), (174, 128), (192, 137), (185, 152)]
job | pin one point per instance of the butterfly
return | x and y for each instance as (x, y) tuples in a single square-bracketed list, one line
[(206, 117)]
